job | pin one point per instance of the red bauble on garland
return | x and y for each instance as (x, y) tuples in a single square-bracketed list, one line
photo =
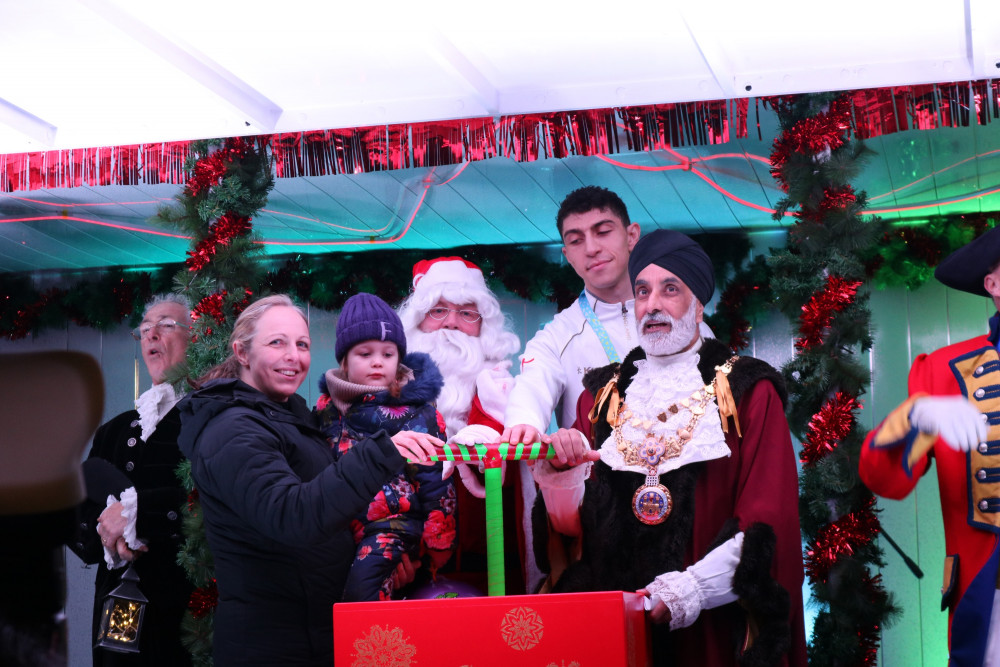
[(817, 315), (829, 426)]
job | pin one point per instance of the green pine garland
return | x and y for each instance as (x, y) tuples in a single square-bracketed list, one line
[(829, 239), (908, 254), (231, 182)]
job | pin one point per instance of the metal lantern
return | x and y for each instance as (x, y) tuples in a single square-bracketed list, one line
[(121, 618)]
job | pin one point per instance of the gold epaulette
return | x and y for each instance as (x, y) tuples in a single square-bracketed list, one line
[(609, 393), (724, 395)]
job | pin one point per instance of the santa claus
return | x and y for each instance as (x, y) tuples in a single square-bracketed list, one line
[(454, 317)]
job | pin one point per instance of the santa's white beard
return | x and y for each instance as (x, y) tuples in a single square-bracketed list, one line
[(680, 336), (460, 358)]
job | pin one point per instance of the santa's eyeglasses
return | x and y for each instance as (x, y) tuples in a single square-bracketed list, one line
[(466, 315)]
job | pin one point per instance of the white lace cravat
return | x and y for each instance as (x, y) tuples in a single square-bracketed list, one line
[(153, 404), (659, 383)]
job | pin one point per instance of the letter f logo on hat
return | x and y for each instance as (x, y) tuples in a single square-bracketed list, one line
[(385, 330)]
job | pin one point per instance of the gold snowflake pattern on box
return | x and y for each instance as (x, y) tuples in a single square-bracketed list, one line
[(522, 628), (383, 647), (571, 663)]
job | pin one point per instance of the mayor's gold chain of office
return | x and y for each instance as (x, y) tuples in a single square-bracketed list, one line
[(652, 503)]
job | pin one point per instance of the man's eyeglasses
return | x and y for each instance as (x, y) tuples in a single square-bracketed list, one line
[(163, 328), (468, 316)]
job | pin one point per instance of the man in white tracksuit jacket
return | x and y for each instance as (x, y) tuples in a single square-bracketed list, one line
[(597, 329)]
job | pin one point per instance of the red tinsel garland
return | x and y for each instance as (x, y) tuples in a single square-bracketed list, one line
[(731, 304), (869, 638), (223, 231), (817, 315), (211, 306), (192, 499), (834, 199), (208, 171), (829, 426), (27, 318), (841, 538), (204, 600), (811, 136)]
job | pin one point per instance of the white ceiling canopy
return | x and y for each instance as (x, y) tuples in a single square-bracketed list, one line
[(112, 73), (83, 73)]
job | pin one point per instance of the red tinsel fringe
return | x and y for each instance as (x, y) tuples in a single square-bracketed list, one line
[(524, 138), (829, 426), (817, 315)]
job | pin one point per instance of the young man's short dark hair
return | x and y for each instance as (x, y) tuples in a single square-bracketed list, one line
[(588, 198)]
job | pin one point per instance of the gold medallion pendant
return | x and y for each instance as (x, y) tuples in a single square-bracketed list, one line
[(652, 503)]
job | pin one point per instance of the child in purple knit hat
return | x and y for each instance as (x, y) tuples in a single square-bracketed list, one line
[(378, 386)]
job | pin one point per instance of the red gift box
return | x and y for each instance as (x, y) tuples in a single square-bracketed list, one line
[(606, 629)]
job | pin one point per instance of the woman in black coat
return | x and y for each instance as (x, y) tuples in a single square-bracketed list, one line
[(276, 505)]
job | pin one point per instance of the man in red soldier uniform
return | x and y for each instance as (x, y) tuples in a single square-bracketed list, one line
[(952, 415)]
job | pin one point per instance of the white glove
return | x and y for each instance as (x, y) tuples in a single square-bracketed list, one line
[(956, 420)]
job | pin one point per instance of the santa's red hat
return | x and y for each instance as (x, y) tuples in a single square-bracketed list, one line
[(433, 272)]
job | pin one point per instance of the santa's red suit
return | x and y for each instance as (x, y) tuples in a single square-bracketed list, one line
[(483, 425), (895, 456)]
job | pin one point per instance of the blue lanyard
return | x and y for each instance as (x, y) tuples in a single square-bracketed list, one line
[(595, 324)]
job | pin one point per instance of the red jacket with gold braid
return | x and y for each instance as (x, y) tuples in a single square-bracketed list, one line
[(895, 456)]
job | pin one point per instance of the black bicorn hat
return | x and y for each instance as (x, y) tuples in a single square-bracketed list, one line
[(966, 268)]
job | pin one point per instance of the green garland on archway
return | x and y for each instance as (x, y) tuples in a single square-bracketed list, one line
[(816, 280), (231, 182)]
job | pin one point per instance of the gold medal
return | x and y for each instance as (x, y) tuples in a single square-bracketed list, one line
[(652, 503)]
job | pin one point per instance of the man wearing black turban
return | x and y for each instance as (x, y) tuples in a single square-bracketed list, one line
[(691, 496), (951, 417)]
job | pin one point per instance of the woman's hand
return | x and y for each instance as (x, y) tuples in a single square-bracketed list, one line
[(417, 447)]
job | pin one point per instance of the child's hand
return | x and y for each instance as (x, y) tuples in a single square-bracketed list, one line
[(417, 447), (405, 572)]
